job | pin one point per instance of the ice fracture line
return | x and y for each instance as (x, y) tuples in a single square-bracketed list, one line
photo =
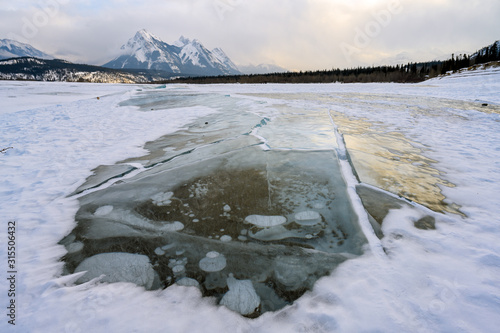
[(351, 182)]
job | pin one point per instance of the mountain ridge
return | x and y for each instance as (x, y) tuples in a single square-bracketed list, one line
[(10, 48), (147, 51), (262, 69), (37, 69), (33, 68), (487, 53)]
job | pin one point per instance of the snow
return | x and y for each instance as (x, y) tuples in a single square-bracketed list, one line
[(181, 41), (142, 45), (153, 53), (190, 53), (24, 60), (11, 49), (221, 56), (443, 280)]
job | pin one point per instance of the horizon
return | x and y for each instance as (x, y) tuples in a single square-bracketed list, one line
[(298, 36)]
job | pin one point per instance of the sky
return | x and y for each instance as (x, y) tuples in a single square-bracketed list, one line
[(294, 34)]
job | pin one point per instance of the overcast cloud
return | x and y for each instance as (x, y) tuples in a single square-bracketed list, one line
[(295, 34)]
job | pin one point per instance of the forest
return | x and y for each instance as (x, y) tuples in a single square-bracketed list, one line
[(404, 73)]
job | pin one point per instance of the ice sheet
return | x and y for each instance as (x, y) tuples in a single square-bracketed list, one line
[(235, 171), (432, 280)]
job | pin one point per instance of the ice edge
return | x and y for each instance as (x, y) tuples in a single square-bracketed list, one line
[(351, 182)]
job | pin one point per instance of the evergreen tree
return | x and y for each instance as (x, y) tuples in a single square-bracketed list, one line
[(494, 52)]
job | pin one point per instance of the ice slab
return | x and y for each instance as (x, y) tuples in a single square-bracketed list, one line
[(265, 221), (308, 217), (230, 194), (162, 199), (382, 154), (103, 174), (118, 267), (304, 208), (298, 129), (279, 183), (241, 296), (74, 247), (103, 210), (213, 262)]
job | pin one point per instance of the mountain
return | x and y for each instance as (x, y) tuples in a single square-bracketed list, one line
[(190, 57), (224, 59), (488, 53), (262, 69), (414, 56), (11, 49), (36, 69)]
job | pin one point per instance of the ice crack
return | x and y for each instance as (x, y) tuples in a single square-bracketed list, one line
[(348, 172)]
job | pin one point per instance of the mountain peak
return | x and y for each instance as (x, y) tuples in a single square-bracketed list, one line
[(224, 59), (12, 49), (184, 40), (185, 56), (145, 35)]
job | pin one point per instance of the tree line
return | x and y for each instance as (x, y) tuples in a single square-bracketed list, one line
[(404, 73)]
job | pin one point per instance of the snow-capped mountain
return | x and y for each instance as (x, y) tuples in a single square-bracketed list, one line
[(12, 49), (36, 69), (414, 56), (224, 59), (262, 69), (185, 56)]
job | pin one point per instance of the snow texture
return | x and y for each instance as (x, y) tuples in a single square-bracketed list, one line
[(12, 49), (443, 280), (147, 51)]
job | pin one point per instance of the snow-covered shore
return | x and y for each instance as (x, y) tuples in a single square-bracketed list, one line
[(443, 280)]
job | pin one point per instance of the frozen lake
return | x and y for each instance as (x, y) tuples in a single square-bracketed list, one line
[(260, 182), (256, 186), (255, 207)]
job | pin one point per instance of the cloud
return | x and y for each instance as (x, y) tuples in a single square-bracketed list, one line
[(299, 34)]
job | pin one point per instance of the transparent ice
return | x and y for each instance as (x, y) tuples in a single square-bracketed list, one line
[(247, 201)]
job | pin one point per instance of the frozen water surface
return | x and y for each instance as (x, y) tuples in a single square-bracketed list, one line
[(250, 204), (265, 194), (153, 210), (381, 153)]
